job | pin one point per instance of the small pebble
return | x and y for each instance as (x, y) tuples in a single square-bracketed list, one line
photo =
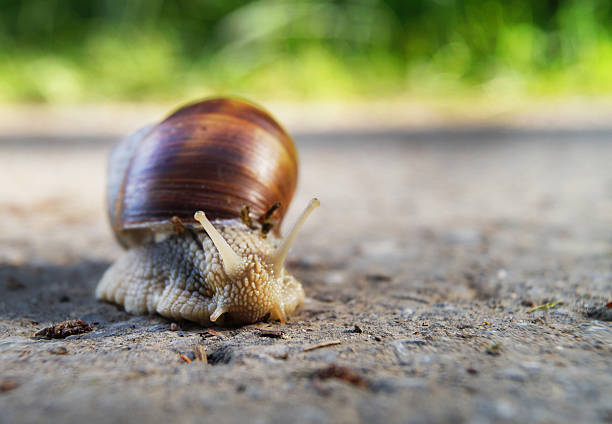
[(378, 278), (60, 350), (8, 385), (274, 334)]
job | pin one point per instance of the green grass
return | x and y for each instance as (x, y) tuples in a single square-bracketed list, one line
[(70, 51)]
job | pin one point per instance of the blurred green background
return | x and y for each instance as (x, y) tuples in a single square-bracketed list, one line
[(155, 50)]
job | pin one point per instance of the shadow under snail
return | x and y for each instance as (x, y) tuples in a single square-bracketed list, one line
[(181, 196)]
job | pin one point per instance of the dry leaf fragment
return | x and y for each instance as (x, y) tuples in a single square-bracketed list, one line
[(64, 329), (341, 373)]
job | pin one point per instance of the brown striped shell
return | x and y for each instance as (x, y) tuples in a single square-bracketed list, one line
[(217, 155)]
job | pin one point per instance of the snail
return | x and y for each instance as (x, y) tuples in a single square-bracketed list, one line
[(182, 196)]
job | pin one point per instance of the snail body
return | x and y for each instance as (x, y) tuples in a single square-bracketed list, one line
[(181, 196)]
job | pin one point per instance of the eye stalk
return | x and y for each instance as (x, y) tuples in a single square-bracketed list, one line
[(232, 262), (278, 258)]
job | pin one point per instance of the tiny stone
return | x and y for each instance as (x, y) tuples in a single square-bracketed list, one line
[(378, 278), (60, 350), (502, 274), (334, 277), (174, 326), (324, 297), (494, 349)]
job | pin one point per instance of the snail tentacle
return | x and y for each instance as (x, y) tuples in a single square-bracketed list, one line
[(232, 262), (278, 258)]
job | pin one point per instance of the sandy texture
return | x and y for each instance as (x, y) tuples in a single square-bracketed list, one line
[(420, 269)]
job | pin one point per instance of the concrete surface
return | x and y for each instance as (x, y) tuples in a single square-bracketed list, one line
[(435, 243)]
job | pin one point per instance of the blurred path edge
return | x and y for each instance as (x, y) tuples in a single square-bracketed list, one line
[(93, 122)]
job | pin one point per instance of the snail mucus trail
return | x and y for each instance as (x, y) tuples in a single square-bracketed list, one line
[(181, 194)]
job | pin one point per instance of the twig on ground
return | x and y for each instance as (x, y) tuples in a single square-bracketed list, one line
[(200, 354), (322, 344)]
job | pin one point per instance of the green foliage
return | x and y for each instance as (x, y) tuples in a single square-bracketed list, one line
[(75, 50)]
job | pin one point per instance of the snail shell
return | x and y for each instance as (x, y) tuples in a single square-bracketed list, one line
[(227, 160), (217, 155)]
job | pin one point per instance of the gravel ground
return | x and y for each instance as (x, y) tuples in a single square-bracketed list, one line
[(422, 268)]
